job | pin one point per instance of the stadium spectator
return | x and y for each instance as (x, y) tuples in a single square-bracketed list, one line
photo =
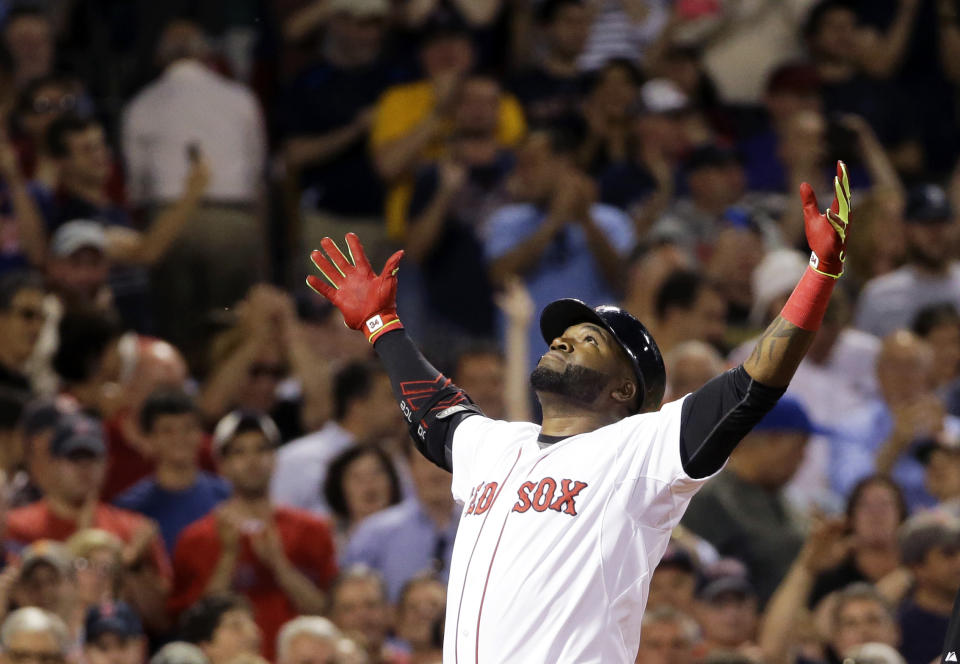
[(359, 607), (97, 568), (930, 276), (481, 367), (29, 42), (674, 580), (930, 548), (281, 559), (360, 482), (192, 110), (939, 325), (41, 101), (559, 241), (727, 608), (268, 362), (875, 510), (87, 358), (742, 512), (21, 219), (179, 652), (363, 410), (689, 366), (451, 202), (877, 437), (669, 637), (412, 121), (310, 640), (72, 503), (623, 29), (326, 116), (419, 618), (38, 421), (608, 111), (43, 580), (21, 321), (940, 457), (412, 537), (222, 625), (146, 364), (552, 89), (858, 614), (689, 308), (34, 634), (829, 30), (80, 148), (113, 634), (178, 492)]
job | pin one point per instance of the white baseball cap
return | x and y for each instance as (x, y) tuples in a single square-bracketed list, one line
[(78, 234)]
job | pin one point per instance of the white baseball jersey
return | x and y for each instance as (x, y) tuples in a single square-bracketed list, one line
[(556, 546)]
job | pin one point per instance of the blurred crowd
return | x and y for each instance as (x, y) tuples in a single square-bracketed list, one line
[(199, 464)]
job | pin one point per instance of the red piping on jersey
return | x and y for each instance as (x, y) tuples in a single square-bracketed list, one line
[(456, 640), (476, 653)]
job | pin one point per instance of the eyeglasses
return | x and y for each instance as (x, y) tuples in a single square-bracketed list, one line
[(100, 567), (42, 105), (28, 657)]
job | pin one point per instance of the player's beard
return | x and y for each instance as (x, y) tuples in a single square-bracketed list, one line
[(575, 383)]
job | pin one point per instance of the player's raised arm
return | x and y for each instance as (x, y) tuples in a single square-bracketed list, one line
[(718, 415), (781, 347), (432, 405)]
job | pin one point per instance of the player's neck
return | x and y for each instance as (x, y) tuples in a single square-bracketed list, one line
[(564, 419)]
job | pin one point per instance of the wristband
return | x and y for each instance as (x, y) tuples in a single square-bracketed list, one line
[(378, 325), (808, 302)]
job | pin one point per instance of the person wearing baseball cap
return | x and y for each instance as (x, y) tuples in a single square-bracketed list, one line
[(287, 553), (78, 465), (742, 512), (44, 575), (931, 274), (727, 606), (113, 634)]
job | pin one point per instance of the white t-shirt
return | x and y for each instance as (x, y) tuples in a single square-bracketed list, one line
[(555, 548)]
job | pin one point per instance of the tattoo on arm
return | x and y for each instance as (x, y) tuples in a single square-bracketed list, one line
[(778, 329), (778, 352)]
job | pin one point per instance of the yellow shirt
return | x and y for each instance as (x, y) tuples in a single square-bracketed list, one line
[(403, 107)]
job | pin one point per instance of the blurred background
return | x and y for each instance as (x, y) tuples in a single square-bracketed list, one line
[(200, 463)]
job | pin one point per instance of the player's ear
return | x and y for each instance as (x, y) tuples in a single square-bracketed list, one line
[(625, 392)]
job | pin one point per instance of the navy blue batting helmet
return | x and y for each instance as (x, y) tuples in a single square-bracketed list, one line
[(630, 333)]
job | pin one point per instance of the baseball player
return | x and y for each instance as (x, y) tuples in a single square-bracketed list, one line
[(564, 523)]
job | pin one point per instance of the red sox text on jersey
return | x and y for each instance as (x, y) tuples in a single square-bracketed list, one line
[(547, 494)]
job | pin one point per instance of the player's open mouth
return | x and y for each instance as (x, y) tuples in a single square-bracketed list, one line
[(555, 355)]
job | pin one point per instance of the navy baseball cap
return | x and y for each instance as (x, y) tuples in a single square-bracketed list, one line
[(789, 415), (927, 203), (112, 618), (78, 433)]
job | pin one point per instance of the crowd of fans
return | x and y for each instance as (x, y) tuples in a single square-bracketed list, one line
[(200, 465)]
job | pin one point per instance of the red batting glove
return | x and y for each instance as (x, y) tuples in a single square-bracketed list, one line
[(368, 301), (827, 231)]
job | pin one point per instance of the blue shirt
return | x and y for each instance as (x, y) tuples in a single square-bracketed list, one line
[(401, 542), (174, 510), (854, 448), (567, 268)]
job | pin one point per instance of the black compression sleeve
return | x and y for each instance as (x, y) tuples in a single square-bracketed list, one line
[(431, 404), (717, 417)]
